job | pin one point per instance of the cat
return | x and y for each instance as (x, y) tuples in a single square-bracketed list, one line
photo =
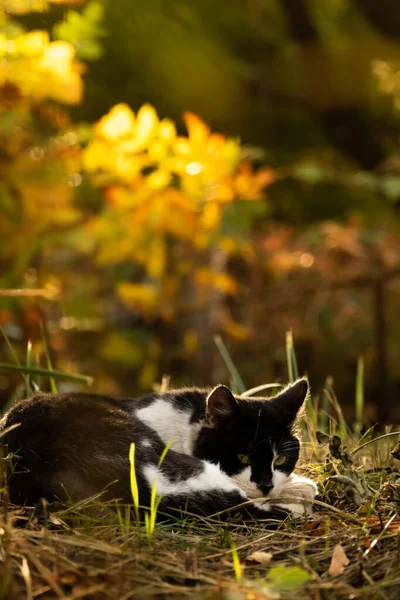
[(225, 453)]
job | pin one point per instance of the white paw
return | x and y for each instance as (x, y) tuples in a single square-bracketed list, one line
[(297, 495)]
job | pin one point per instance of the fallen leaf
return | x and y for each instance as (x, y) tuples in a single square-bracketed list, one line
[(263, 558), (339, 561)]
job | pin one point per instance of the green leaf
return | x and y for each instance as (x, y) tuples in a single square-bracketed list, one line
[(83, 30), (288, 579), (309, 173), (239, 217), (390, 186)]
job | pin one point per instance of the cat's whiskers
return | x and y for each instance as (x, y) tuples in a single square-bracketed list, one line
[(258, 425)]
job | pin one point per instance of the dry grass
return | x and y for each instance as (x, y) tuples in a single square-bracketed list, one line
[(91, 550)]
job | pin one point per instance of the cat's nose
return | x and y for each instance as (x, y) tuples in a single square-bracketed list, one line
[(266, 488)]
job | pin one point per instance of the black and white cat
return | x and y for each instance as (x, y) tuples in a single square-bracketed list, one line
[(226, 453)]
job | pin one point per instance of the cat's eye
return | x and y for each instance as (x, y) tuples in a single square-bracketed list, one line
[(244, 458), (280, 460)]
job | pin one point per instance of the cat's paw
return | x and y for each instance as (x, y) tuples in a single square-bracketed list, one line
[(301, 488), (297, 495)]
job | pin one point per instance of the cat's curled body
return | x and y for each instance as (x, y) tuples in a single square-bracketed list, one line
[(224, 451)]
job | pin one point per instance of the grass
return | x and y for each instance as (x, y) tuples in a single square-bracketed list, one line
[(92, 549)]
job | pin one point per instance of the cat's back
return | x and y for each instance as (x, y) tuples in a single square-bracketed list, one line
[(50, 438), (82, 440)]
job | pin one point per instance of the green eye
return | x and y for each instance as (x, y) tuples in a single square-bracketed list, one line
[(280, 460), (244, 458)]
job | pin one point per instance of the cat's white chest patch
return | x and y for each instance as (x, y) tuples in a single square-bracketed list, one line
[(173, 426)]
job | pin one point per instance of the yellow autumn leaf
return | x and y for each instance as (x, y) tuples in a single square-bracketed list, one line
[(61, 80), (23, 7), (190, 341), (203, 276), (116, 348), (201, 240), (148, 375), (211, 216), (167, 130), (127, 167), (33, 43), (142, 297), (235, 330), (231, 153), (156, 258), (119, 122), (224, 282), (146, 125), (181, 146), (228, 245), (96, 156), (158, 150), (197, 129), (158, 179), (57, 57)]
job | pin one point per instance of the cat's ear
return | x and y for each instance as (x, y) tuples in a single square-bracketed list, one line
[(289, 402), (221, 404)]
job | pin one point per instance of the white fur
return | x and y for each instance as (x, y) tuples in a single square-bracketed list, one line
[(172, 425), (297, 495), (211, 479), (146, 443), (249, 487), (279, 481), (263, 506)]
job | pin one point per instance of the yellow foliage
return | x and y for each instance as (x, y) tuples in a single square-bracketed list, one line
[(162, 189), (117, 124), (143, 298), (221, 281), (190, 341), (23, 7), (163, 196), (116, 348), (41, 68), (235, 330)]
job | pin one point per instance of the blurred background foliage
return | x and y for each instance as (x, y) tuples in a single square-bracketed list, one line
[(142, 232)]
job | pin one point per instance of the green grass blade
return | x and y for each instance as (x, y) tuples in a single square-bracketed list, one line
[(343, 429), (293, 370), (164, 453), (45, 372), (53, 385), (10, 348), (133, 481), (237, 567), (240, 388), (359, 399), (323, 413), (261, 388)]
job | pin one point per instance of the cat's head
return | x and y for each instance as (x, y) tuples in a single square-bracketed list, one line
[(253, 439)]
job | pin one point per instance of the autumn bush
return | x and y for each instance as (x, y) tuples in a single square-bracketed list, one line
[(125, 210)]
